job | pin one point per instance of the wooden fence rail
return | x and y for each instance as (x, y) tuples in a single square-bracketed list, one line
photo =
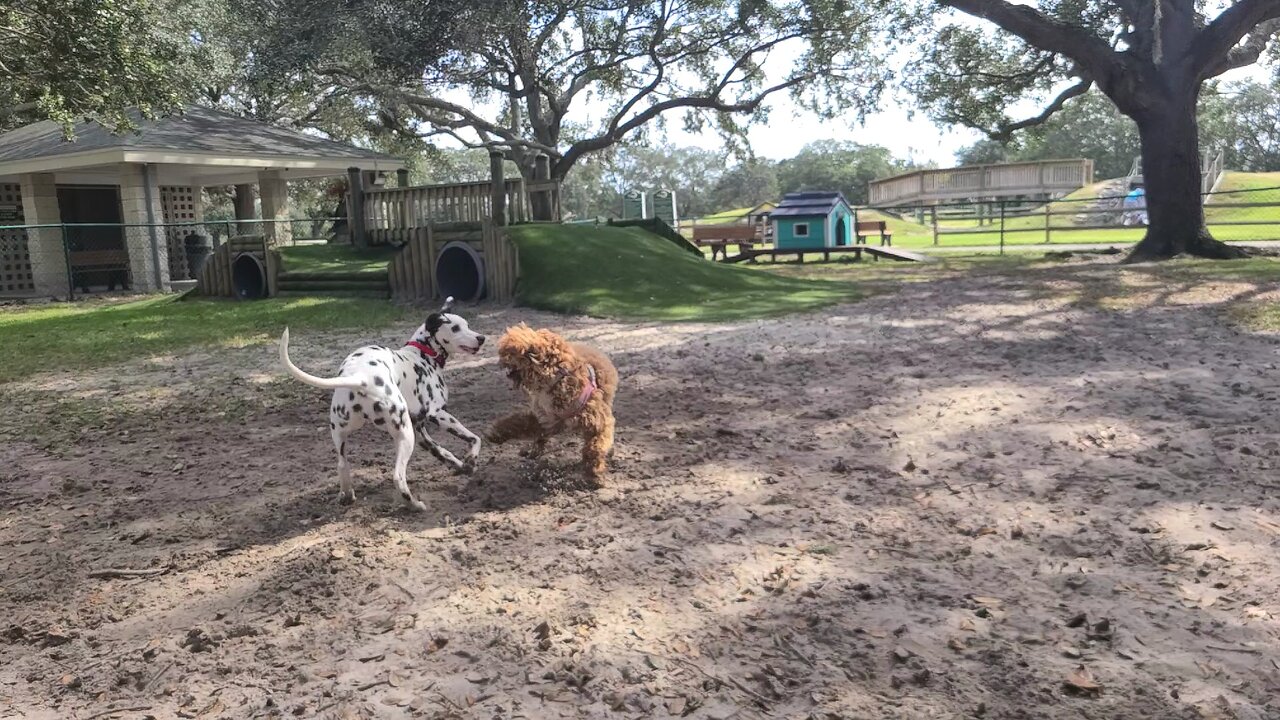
[(391, 212), (1043, 178)]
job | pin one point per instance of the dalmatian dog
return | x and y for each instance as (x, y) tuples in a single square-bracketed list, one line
[(399, 391)]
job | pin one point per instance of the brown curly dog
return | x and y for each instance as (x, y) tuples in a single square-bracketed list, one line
[(570, 387)]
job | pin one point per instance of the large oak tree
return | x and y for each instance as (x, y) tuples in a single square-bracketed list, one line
[(1149, 57), (606, 69)]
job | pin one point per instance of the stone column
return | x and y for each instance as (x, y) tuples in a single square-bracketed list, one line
[(273, 190), (144, 240), (45, 245)]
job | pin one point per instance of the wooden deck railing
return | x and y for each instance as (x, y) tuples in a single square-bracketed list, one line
[(410, 207), (982, 182)]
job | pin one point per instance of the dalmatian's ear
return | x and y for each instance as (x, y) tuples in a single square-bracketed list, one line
[(448, 305), (434, 322)]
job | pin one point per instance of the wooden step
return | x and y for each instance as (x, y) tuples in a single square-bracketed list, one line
[(376, 284), (380, 295), (336, 275)]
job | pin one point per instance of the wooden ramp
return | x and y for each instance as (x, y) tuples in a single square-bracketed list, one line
[(875, 251), (896, 254)]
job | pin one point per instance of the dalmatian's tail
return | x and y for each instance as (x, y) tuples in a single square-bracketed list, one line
[(326, 383)]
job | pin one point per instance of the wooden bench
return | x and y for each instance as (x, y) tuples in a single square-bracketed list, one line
[(107, 267), (866, 227), (720, 237)]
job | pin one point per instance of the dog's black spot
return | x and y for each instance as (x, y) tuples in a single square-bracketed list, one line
[(377, 406), (435, 421), (357, 353), (332, 426), (405, 494), (456, 327), (373, 363), (377, 380), (342, 449), (357, 407), (380, 421)]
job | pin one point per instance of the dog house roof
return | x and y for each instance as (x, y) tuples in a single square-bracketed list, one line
[(808, 204)]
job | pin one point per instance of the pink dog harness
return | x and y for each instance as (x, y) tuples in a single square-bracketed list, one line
[(587, 391)]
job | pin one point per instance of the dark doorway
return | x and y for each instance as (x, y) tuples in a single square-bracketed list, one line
[(842, 235), (97, 252)]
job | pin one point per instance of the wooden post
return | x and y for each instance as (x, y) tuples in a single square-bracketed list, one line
[(402, 178), (498, 189), (355, 208), (1048, 219), (243, 203), (540, 199), (933, 213)]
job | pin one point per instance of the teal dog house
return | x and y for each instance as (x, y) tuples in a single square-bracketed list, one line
[(814, 220)]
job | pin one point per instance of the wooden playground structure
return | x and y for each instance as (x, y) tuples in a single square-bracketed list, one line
[(458, 226), (751, 243)]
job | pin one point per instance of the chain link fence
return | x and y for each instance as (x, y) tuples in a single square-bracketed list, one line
[(79, 259)]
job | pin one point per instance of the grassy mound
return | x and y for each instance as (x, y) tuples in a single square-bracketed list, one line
[(629, 273), (335, 259)]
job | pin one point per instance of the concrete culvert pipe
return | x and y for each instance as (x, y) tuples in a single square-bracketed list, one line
[(460, 272), (248, 277)]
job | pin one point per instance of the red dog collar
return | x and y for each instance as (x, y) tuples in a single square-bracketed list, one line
[(426, 351)]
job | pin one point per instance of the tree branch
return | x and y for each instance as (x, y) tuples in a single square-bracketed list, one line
[(1247, 53), (617, 131), (1004, 133), (1087, 49), (1214, 44)]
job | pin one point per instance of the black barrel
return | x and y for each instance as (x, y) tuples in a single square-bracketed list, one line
[(198, 248)]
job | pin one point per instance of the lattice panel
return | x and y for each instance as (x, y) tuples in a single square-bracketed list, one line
[(179, 206), (15, 259)]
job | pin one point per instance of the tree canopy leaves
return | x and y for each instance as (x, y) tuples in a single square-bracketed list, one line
[(70, 59), (532, 69)]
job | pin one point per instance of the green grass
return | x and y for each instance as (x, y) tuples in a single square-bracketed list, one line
[(629, 273), (1029, 230), (81, 336), (335, 258), (1219, 207)]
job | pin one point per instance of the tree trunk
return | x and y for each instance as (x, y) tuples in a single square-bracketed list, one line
[(1172, 175)]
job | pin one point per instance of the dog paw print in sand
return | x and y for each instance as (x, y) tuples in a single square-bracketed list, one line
[(1107, 437)]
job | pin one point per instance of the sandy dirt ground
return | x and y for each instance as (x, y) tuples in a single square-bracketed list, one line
[(979, 497)]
